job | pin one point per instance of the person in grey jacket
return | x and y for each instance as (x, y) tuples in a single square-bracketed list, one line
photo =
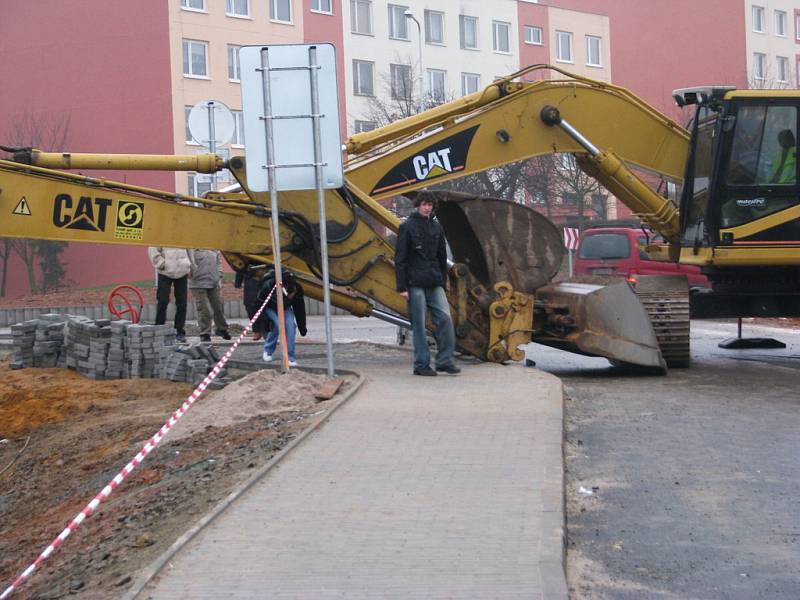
[(172, 266), (205, 282)]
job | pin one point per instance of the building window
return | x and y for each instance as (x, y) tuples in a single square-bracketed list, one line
[(322, 6), (364, 126), (238, 128), (362, 78), (401, 81), (500, 37), (237, 8), (564, 46), (198, 184), (436, 84), (280, 10), (759, 66), (533, 35), (758, 19), (797, 27), (193, 5), (361, 16), (593, 51), (783, 69), (434, 27), (195, 58), (234, 72), (470, 83), (189, 139), (780, 23), (398, 23), (468, 31)]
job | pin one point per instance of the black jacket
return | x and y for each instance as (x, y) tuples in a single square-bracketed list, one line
[(297, 303), (420, 258)]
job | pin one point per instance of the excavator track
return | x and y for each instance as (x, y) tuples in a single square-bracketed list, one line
[(666, 301)]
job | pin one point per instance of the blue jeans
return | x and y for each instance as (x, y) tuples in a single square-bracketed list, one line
[(433, 298), (274, 333)]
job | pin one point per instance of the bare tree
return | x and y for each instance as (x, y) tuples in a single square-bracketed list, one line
[(574, 185), (45, 133)]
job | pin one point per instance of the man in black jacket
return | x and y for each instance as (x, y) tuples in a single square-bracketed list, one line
[(421, 269)]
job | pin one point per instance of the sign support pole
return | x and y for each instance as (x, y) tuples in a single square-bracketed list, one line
[(323, 224), (273, 198)]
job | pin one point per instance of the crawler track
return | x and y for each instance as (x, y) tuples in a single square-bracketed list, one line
[(669, 313)]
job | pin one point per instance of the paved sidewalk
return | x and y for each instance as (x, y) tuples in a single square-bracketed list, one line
[(446, 487)]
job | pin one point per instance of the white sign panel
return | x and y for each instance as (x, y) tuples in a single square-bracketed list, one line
[(200, 120), (290, 97)]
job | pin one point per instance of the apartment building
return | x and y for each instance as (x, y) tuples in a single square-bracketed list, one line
[(772, 35)]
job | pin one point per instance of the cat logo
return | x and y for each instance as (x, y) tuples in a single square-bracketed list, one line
[(443, 158), (130, 221), (87, 214), (435, 164)]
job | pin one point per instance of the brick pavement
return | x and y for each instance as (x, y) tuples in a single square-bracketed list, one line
[(446, 487)]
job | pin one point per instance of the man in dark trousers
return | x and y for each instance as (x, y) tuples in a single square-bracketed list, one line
[(421, 268)]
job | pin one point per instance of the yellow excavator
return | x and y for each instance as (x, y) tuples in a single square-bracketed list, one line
[(737, 217)]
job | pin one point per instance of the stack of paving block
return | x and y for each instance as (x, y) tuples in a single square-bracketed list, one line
[(87, 342), (48, 345), (23, 336), (116, 364), (189, 363), (142, 345)]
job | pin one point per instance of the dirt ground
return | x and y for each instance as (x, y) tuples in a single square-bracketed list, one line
[(63, 437)]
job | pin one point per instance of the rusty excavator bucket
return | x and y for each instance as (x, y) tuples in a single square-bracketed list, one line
[(501, 294)]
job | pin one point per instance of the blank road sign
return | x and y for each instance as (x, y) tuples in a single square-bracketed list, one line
[(290, 96)]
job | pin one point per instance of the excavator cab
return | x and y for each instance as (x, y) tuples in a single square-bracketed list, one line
[(741, 201)]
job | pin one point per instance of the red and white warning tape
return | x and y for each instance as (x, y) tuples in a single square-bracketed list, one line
[(136, 461)]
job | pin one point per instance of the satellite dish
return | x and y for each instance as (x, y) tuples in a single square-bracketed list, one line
[(209, 116)]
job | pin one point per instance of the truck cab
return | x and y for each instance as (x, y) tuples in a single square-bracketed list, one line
[(621, 251)]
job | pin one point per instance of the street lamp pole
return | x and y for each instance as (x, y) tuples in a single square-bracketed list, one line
[(409, 15)]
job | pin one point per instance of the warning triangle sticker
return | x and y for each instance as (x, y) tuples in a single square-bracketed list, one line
[(22, 208)]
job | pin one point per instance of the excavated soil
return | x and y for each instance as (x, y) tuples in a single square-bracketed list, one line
[(63, 437)]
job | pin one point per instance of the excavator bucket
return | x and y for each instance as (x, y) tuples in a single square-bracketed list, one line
[(597, 318), (499, 240)]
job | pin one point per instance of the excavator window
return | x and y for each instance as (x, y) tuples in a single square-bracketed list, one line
[(694, 201), (760, 164)]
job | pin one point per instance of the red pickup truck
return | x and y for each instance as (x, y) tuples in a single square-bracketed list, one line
[(621, 251)]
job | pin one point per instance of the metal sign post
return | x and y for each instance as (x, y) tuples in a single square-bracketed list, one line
[(212, 144), (323, 223), (304, 119), (273, 200)]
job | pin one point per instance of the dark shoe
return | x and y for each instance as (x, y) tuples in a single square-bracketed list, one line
[(223, 334), (425, 371), (180, 337), (205, 338), (452, 369)]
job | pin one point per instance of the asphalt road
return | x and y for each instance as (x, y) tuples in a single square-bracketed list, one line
[(686, 485)]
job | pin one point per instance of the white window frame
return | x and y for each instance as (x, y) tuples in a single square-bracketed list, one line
[(358, 84), (497, 37), (189, 139), (782, 69), (317, 6), (797, 27), (237, 141), (187, 46), (356, 26), (234, 68), (759, 66), (560, 37), (462, 29), (398, 23), (400, 81), (590, 39), (186, 5), (274, 8), (195, 187), (362, 126), (780, 23), (531, 33), (432, 75), (466, 78), (757, 14), (230, 9), (429, 18)]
